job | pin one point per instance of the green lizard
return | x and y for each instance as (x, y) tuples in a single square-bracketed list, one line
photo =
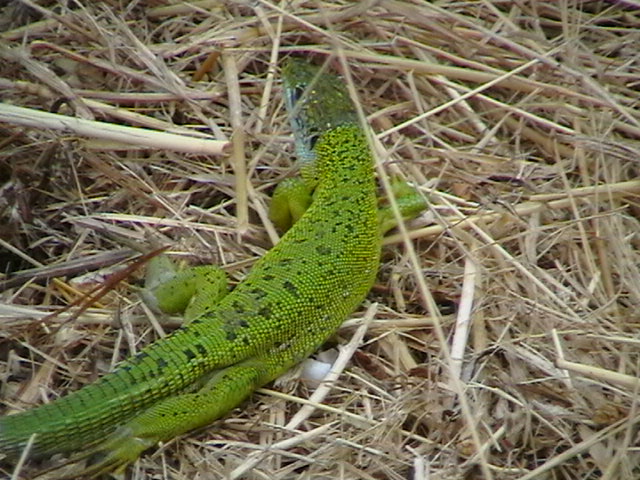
[(292, 300)]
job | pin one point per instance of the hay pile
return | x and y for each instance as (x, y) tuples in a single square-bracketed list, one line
[(502, 335)]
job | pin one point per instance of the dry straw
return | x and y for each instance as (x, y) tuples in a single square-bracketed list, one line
[(501, 338)]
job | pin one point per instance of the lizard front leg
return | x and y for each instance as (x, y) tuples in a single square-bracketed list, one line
[(410, 204), (293, 196), (290, 200)]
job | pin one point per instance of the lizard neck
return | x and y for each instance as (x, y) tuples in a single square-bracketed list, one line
[(343, 158)]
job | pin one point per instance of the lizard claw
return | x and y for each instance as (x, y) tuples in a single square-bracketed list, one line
[(111, 456), (115, 453)]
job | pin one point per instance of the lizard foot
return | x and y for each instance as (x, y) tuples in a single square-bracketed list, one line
[(111, 455)]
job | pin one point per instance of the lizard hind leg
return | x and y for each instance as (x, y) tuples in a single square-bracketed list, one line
[(224, 390), (219, 392), (190, 291)]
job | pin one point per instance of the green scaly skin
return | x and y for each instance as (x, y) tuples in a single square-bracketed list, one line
[(293, 299)]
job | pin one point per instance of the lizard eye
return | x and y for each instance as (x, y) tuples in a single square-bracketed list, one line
[(312, 141), (295, 94)]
